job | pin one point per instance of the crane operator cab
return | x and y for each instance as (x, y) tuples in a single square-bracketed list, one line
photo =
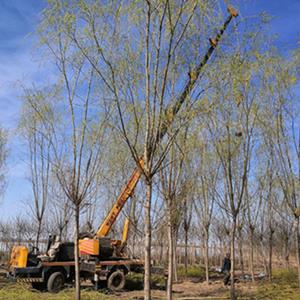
[(21, 257)]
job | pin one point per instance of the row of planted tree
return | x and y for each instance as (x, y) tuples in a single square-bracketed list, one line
[(20, 231)]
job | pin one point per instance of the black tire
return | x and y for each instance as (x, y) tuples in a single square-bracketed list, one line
[(56, 282), (116, 281), (40, 286)]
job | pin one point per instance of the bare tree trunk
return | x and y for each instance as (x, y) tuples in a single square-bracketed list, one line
[(147, 278), (297, 247), (133, 243), (251, 253), (175, 275), (221, 252), (76, 252), (170, 258), (60, 232), (286, 252), (270, 254), (134, 222), (263, 254), (161, 252), (241, 256), (38, 233), (185, 251), (206, 255), (232, 254), (194, 255), (265, 264)]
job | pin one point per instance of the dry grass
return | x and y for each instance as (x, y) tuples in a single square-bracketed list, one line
[(24, 292)]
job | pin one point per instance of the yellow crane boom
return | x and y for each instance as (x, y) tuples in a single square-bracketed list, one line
[(127, 191)]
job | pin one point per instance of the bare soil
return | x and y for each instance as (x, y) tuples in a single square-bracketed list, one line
[(192, 289)]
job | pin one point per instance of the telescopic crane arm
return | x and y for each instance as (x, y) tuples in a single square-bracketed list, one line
[(194, 75), (127, 191)]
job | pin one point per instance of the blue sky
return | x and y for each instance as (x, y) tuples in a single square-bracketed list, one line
[(20, 63)]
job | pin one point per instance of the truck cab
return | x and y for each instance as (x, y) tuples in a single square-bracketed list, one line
[(31, 266)]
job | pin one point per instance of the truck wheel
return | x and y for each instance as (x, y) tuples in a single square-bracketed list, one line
[(116, 281), (56, 282)]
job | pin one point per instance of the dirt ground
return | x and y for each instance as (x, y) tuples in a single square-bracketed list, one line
[(190, 289), (193, 289)]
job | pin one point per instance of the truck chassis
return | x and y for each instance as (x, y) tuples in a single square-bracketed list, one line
[(52, 276)]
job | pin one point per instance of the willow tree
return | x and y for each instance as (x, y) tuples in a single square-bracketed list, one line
[(281, 125), (175, 189), (206, 173), (253, 207), (79, 127), (288, 163), (37, 135), (232, 124)]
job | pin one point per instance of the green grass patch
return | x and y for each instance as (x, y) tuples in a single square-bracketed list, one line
[(135, 281), (284, 286), (285, 276), (277, 292), (19, 291), (23, 292), (192, 271)]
